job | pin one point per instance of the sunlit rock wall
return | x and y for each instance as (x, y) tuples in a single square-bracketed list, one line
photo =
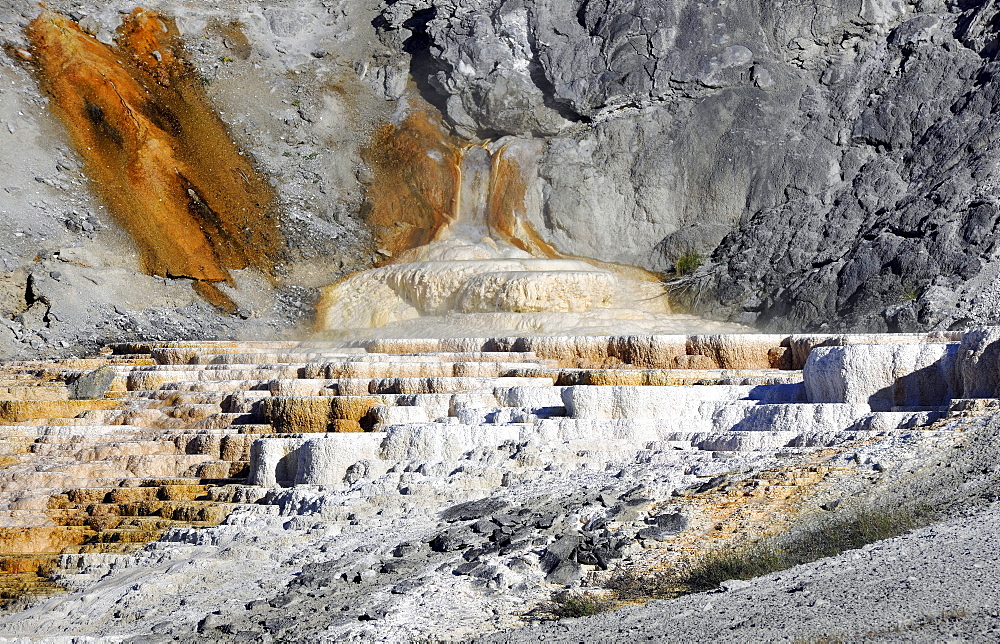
[(827, 166), (842, 147)]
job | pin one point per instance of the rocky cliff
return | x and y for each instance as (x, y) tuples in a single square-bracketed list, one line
[(832, 160), (809, 166)]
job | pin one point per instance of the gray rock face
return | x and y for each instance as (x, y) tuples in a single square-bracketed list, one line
[(830, 162), (834, 158), (978, 363)]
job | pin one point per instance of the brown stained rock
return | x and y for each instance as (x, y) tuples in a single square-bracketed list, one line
[(389, 370), (667, 377), (34, 393), (20, 564), (414, 187), (16, 411), (507, 215), (305, 414), (41, 539), (749, 351), (157, 152), (649, 352), (311, 414), (236, 447), (695, 362)]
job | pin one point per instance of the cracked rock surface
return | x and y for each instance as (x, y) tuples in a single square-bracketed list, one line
[(832, 160), (829, 165)]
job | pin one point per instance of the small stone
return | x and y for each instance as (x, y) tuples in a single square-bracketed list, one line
[(449, 541), (281, 601), (212, 622), (545, 521), (565, 573), (404, 550), (503, 520), (734, 584), (468, 568), (560, 550), (473, 510)]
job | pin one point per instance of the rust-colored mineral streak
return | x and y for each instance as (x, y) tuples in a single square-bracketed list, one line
[(157, 153), (507, 217), (416, 176), (417, 180)]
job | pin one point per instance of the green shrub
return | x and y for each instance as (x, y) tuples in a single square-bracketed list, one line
[(578, 606), (631, 585), (687, 264)]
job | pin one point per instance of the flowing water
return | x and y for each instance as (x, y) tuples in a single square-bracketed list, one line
[(475, 279)]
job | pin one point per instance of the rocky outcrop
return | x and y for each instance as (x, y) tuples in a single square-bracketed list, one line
[(816, 167), (832, 160)]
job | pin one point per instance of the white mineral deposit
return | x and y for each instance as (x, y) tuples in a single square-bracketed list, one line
[(499, 321)]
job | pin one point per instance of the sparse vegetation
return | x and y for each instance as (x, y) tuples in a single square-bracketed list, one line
[(910, 293), (564, 605), (633, 586), (687, 264), (816, 541), (824, 539)]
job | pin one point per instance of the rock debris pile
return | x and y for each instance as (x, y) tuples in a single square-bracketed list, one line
[(402, 488)]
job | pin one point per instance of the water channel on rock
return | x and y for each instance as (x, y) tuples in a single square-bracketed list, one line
[(484, 271)]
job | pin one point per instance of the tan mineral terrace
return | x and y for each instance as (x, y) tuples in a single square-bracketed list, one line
[(103, 455)]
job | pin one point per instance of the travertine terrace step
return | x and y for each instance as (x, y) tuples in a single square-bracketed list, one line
[(186, 427)]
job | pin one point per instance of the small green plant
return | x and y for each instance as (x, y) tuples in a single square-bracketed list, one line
[(578, 606), (910, 293), (687, 264), (630, 585), (286, 154), (312, 155), (296, 102), (205, 80)]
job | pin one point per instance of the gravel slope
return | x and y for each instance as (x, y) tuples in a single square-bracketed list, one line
[(934, 584)]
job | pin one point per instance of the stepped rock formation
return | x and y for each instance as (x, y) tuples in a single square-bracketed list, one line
[(463, 259), (362, 476), (475, 289)]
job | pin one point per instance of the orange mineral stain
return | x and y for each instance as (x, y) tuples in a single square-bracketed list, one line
[(158, 154), (507, 218), (415, 185)]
